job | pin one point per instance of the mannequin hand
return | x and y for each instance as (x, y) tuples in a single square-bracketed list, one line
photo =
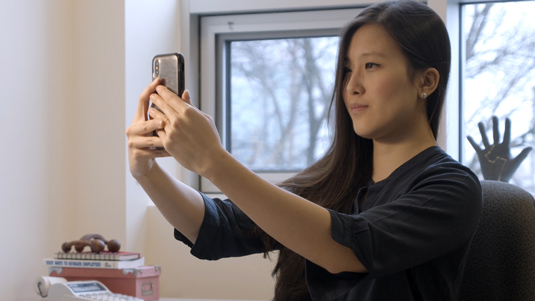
[(141, 142), (496, 160), (189, 134)]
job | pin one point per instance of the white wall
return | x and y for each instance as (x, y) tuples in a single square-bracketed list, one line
[(62, 157), (33, 160)]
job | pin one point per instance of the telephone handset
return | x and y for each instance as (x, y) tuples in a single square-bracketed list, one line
[(84, 290)]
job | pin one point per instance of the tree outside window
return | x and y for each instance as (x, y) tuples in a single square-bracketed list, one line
[(280, 91), (499, 79)]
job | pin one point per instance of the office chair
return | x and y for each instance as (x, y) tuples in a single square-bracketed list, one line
[(501, 259)]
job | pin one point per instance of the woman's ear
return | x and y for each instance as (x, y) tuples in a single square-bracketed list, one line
[(428, 82)]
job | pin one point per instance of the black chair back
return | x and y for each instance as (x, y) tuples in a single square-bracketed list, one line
[(501, 260)]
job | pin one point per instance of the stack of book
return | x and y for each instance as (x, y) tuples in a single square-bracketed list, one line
[(90, 260), (121, 272)]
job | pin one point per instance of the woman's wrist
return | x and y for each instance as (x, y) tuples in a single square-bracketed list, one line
[(145, 177), (217, 166)]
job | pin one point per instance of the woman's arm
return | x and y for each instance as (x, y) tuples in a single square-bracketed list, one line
[(191, 138), (298, 224), (181, 205)]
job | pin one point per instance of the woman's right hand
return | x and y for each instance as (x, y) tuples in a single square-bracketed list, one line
[(141, 143)]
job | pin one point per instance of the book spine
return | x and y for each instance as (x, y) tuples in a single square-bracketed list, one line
[(87, 256), (95, 256), (94, 264)]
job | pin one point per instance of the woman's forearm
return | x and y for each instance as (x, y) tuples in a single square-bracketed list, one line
[(299, 224), (181, 205)]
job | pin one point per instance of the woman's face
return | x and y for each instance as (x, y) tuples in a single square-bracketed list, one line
[(379, 95)]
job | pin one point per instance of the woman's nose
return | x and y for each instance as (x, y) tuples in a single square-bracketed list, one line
[(354, 84)]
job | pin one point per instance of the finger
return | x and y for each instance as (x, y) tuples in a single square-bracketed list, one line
[(146, 154), (145, 142), (483, 132), (495, 130), (144, 128), (162, 134), (163, 105), (143, 103), (158, 115), (507, 132), (186, 97), (474, 144), (170, 98)]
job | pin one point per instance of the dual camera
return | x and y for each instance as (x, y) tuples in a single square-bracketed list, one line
[(156, 68)]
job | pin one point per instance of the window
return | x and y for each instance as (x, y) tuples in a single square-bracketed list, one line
[(273, 83), (279, 92), (499, 79)]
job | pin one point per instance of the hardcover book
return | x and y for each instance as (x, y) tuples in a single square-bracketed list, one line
[(94, 264), (105, 255)]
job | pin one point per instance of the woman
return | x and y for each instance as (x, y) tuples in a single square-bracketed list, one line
[(384, 215)]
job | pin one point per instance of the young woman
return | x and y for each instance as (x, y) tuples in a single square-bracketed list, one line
[(384, 215)]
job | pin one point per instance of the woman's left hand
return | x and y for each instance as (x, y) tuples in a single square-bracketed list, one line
[(189, 135)]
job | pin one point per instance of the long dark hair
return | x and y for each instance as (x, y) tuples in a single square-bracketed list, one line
[(334, 180)]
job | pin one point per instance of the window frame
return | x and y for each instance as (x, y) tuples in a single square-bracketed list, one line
[(216, 30), (461, 49)]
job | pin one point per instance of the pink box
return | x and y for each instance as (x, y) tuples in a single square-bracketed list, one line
[(142, 282)]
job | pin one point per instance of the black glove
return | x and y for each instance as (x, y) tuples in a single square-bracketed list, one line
[(496, 160)]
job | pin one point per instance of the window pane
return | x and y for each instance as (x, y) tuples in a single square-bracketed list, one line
[(499, 79), (280, 90)]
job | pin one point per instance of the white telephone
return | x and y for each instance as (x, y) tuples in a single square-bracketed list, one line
[(89, 290)]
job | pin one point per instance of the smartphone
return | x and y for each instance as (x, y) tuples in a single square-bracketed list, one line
[(170, 69)]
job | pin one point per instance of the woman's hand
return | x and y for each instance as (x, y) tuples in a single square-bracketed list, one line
[(189, 134), (141, 143)]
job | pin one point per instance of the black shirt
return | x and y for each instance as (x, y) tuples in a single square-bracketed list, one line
[(412, 233)]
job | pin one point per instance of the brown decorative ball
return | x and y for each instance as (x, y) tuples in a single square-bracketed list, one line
[(97, 245), (79, 247), (114, 245), (66, 247)]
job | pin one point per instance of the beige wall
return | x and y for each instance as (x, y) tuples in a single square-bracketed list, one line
[(62, 155), (71, 72)]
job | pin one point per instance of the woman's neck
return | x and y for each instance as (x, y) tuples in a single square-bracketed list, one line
[(388, 157)]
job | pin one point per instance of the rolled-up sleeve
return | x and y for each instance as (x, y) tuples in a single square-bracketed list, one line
[(226, 231), (436, 216)]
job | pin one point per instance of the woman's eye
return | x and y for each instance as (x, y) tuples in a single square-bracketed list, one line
[(371, 65), (346, 70)]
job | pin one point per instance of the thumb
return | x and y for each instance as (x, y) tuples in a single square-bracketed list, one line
[(186, 97), (522, 155)]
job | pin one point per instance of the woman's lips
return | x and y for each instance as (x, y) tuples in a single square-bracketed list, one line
[(357, 108)]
